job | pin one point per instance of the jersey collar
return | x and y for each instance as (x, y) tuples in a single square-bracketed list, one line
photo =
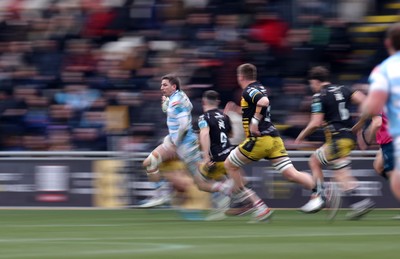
[(174, 93), (254, 83)]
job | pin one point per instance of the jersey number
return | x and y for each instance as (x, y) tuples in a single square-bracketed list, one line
[(224, 139), (343, 111), (267, 117)]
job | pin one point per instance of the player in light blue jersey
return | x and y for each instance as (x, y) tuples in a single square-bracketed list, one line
[(384, 92), (181, 142)]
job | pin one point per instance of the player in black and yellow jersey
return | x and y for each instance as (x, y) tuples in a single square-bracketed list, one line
[(215, 133), (215, 129), (262, 138), (330, 107)]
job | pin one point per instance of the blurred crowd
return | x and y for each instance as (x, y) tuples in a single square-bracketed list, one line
[(85, 75)]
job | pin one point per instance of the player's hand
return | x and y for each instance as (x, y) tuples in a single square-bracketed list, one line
[(209, 166), (360, 141), (255, 132), (164, 103)]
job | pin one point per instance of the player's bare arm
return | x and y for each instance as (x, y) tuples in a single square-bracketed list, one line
[(374, 102), (205, 143), (316, 122), (370, 133), (358, 97), (360, 123), (257, 117)]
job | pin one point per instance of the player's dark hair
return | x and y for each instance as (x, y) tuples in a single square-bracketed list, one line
[(319, 73), (248, 71), (174, 80), (393, 34), (211, 95)]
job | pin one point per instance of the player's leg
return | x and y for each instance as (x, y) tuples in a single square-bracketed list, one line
[(176, 175), (341, 164), (316, 161), (342, 173), (234, 170), (158, 198), (238, 205), (320, 197), (206, 185), (240, 202), (186, 195), (221, 189), (278, 156), (349, 187), (164, 152), (170, 172), (395, 177), (388, 161), (395, 183), (219, 201), (249, 151), (378, 162), (316, 202), (189, 152), (292, 174), (387, 153), (161, 154)]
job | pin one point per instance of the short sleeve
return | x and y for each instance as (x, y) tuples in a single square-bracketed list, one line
[(202, 122), (378, 81), (252, 95), (316, 105)]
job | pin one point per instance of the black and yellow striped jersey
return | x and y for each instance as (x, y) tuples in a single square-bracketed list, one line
[(251, 95)]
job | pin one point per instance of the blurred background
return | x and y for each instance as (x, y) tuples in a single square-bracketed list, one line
[(80, 110), (84, 75)]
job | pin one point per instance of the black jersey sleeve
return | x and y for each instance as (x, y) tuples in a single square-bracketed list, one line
[(348, 92)]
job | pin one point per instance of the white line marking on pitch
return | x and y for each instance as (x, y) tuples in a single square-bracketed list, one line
[(81, 239), (63, 225), (151, 247), (80, 225)]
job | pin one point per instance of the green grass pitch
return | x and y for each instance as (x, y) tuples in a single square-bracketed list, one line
[(154, 234)]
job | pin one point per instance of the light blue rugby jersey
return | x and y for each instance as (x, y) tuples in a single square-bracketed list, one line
[(179, 108), (386, 77)]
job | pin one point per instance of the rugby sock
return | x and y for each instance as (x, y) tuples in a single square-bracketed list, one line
[(216, 187), (319, 187), (224, 187), (260, 204), (352, 197), (318, 190), (243, 194)]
